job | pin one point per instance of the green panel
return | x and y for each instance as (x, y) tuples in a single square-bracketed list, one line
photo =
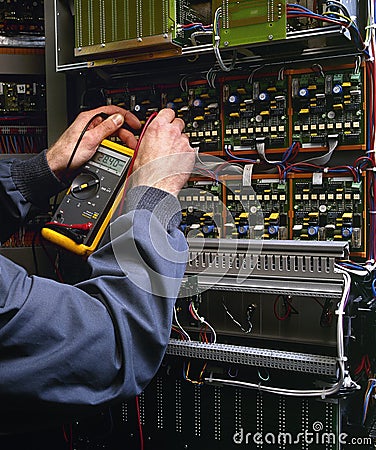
[(172, 21), (105, 21), (78, 23), (109, 26), (83, 21), (131, 6), (331, 211), (121, 20), (95, 24), (259, 211), (157, 16), (148, 18), (250, 21), (254, 110), (326, 103)]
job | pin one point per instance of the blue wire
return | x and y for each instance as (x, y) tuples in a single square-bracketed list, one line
[(238, 158), (374, 287), (194, 27), (366, 401)]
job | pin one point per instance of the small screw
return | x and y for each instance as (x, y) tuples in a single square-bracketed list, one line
[(226, 43), (270, 37)]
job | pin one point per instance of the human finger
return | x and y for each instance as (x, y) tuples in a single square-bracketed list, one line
[(109, 110), (127, 137), (179, 123), (166, 115), (106, 128)]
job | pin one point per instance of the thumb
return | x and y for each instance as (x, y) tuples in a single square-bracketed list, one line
[(108, 126)]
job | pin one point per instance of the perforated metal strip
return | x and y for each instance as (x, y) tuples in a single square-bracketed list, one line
[(260, 357)]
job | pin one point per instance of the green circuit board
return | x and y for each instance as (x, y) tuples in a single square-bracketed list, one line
[(251, 21)]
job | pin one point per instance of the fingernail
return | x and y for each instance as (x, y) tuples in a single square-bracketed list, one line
[(118, 119)]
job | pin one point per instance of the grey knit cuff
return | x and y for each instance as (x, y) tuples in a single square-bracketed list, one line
[(162, 204), (35, 180)]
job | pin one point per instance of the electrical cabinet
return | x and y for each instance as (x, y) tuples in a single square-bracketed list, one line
[(272, 342)]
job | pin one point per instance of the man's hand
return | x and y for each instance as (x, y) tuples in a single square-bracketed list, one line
[(59, 154), (165, 159)]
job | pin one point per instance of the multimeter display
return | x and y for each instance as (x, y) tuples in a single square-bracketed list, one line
[(111, 163), (86, 209)]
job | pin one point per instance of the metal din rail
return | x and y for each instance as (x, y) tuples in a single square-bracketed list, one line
[(250, 356)]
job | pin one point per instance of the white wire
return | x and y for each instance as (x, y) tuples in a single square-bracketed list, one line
[(358, 272), (217, 39), (236, 322), (302, 392), (179, 326), (370, 24), (203, 321), (252, 74)]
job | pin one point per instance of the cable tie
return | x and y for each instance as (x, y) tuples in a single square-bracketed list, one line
[(371, 151), (372, 212), (339, 313), (373, 25), (341, 359), (217, 38), (326, 169)]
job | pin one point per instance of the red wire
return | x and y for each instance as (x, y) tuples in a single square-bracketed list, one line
[(288, 309), (371, 67), (68, 439), (139, 424), (133, 160)]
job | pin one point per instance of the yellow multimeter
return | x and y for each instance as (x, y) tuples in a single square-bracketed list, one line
[(86, 209)]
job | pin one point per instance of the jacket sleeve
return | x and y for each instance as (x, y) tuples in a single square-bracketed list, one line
[(66, 349), (24, 184)]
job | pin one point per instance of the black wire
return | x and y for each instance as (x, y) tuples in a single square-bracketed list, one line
[(35, 259), (80, 139)]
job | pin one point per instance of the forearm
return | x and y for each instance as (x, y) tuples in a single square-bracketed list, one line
[(23, 184), (104, 339)]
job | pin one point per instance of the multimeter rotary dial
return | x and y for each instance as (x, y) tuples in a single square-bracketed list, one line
[(85, 186)]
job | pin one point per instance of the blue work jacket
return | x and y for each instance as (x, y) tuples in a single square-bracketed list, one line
[(71, 350)]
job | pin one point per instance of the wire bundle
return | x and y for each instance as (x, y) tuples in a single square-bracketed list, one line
[(331, 16)]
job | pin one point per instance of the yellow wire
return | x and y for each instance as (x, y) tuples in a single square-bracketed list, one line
[(200, 376), (349, 19)]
